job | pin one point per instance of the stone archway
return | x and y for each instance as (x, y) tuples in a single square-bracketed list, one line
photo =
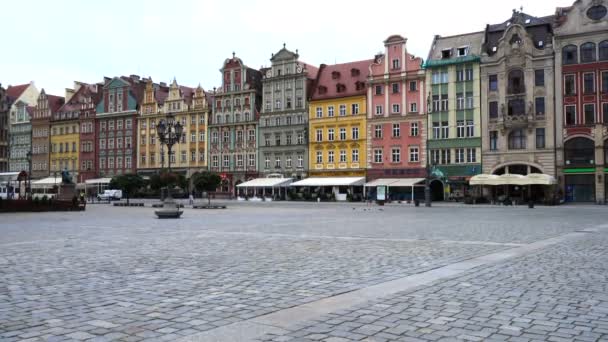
[(437, 190)]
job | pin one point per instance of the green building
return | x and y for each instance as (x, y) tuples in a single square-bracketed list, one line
[(454, 119)]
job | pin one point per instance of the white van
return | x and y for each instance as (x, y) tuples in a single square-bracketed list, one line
[(110, 195)]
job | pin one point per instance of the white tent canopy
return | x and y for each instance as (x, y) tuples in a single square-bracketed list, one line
[(393, 182), (407, 182), (330, 181), (381, 182), (46, 182), (513, 179), (98, 181), (266, 183)]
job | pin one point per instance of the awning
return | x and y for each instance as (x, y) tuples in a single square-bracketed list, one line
[(484, 180), (407, 182), (381, 182), (46, 182), (330, 181), (541, 179), (266, 183), (98, 181), (513, 179)]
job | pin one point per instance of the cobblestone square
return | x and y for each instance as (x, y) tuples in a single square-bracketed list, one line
[(120, 274)]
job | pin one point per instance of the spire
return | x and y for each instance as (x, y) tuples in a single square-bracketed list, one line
[(233, 54), (283, 45)]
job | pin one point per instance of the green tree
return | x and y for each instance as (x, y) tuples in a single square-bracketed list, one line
[(129, 183), (206, 182)]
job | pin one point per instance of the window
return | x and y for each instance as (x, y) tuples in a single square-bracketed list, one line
[(378, 89), (330, 156), (239, 160), (396, 108), (201, 136), (444, 102), (605, 112), (493, 106), (110, 143), (462, 51), (493, 140), (459, 75), (226, 161), (300, 138), (251, 135), (539, 78), (436, 130), (460, 128), (378, 131), (342, 110), (288, 162), (471, 155), (226, 137), (459, 156), (277, 121), (342, 133), (319, 135), (605, 82), (396, 130), (446, 53), (539, 106), (603, 47), (589, 83), (516, 107), (111, 125), (414, 129), (570, 115), (330, 134), (119, 124), (319, 157), (517, 140), (436, 103), (493, 83), (251, 160), (445, 157), (459, 101), (596, 12), (355, 155), (214, 137), (516, 82), (570, 85), (330, 111), (201, 155), (355, 133), (540, 138), (277, 162), (435, 156), (395, 88), (288, 139), (266, 139), (277, 104), (469, 100), (377, 155), (102, 145), (589, 113), (570, 54), (193, 156), (396, 155), (193, 137), (413, 107), (214, 161), (355, 109), (183, 156), (342, 156), (378, 110), (118, 142), (277, 139), (413, 86), (470, 128), (319, 112), (588, 53), (468, 74), (300, 160), (396, 64), (445, 130)]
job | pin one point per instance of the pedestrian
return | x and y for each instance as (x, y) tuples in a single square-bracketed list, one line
[(191, 198)]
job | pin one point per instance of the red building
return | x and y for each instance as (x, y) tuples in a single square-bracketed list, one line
[(116, 125), (85, 101), (581, 88), (396, 125)]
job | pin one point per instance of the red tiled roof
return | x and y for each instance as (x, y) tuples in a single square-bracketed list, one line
[(312, 70), (15, 91), (55, 102), (330, 76)]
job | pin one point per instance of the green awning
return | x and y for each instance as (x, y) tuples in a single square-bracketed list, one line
[(443, 62)]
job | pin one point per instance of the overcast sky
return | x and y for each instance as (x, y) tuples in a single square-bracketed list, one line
[(54, 42)]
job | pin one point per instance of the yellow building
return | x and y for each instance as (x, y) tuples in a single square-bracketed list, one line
[(337, 121), (65, 141), (190, 107)]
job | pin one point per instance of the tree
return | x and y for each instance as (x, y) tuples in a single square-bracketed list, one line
[(206, 182), (129, 183)]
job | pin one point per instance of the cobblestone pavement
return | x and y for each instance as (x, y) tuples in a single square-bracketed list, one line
[(557, 294), (119, 274)]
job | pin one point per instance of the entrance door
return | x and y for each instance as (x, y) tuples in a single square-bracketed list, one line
[(580, 188), (436, 190)]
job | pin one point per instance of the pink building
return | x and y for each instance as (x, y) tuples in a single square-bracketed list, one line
[(396, 130)]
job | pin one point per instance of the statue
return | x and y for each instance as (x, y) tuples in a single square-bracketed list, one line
[(502, 110), (530, 112), (65, 177)]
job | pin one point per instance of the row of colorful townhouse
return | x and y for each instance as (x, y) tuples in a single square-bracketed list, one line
[(528, 95)]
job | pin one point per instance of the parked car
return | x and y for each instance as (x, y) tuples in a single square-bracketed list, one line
[(110, 195)]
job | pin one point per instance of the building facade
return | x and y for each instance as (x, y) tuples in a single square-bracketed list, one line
[(517, 103), (337, 121), (65, 138), (188, 106), (454, 119), (4, 137), (581, 113), (46, 107), (283, 148), (20, 136), (116, 125), (233, 128), (396, 120)]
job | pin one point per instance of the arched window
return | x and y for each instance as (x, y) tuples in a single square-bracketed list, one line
[(237, 117), (247, 117), (517, 140), (588, 53), (218, 119), (603, 47), (227, 118), (579, 152), (569, 54), (516, 82)]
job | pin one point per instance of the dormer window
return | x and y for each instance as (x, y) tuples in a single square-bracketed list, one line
[(462, 51), (322, 90), (359, 85), (354, 72), (340, 88), (445, 54), (527, 21), (335, 75)]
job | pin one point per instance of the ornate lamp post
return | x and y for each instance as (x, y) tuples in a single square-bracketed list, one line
[(29, 173), (169, 133)]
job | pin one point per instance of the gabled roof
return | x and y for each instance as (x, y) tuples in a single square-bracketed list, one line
[(345, 76), (523, 19), (312, 71), (539, 29), (85, 89), (13, 92), (472, 41), (55, 102)]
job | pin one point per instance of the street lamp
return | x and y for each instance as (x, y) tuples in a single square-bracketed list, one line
[(427, 184), (169, 133), (29, 173)]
